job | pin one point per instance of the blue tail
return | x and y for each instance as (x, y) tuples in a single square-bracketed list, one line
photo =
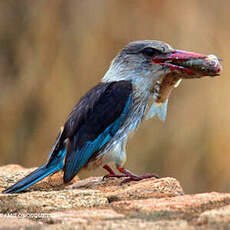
[(52, 166)]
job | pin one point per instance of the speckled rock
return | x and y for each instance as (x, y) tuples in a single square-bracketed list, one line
[(127, 224), (216, 215), (94, 203), (49, 201), (185, 203), (12, 222), (158, 188)]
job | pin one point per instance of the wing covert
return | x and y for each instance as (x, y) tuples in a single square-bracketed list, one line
[(94, 121)]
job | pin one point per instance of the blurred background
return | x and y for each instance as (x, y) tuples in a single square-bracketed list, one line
[(52, 52)]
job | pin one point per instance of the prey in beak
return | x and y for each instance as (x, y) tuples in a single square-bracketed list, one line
[(190, 64), (182, 65)]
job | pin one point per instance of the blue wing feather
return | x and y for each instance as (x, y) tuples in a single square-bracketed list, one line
[(82, 155), (51, 167)]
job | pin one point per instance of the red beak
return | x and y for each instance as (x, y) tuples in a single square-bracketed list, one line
[(190, 64), (184, 55)]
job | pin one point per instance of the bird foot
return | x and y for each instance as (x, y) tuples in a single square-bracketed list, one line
[(126, 173), (138, 178)]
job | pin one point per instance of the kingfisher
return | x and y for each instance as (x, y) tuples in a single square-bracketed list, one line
[(96, 131)]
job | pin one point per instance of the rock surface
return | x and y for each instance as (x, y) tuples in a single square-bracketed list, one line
[(94, 203)]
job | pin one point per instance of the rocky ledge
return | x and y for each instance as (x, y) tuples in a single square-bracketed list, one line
[(94, 203)]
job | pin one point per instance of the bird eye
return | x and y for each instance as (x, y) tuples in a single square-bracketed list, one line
[(150, 52)]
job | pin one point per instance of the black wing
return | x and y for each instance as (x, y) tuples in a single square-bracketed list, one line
[(93, 122)]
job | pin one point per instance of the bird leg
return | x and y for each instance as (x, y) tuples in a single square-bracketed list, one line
[(133, 177), (112, 173)]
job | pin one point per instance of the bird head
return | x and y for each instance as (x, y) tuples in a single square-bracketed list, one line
[(155, 63)]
